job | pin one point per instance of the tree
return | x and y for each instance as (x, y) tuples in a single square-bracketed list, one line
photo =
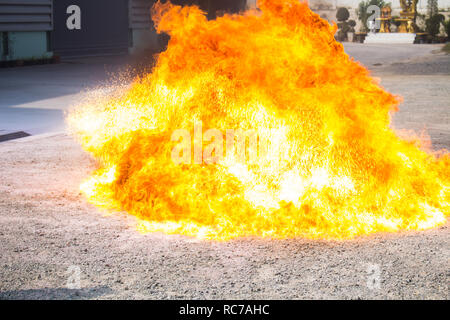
[(432, 8), (420, 22), (433, 24), (446, 25), (362, 13), (342, 14)]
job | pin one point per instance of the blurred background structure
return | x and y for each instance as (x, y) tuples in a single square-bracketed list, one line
[(45, 29), (42, 29)]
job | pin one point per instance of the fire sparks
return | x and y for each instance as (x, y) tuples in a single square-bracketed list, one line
[(334, 168)]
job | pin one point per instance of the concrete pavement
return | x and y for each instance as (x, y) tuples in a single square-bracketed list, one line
[(33, 98)]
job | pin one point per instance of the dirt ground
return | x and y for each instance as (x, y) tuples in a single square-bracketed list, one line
[(50, 236)]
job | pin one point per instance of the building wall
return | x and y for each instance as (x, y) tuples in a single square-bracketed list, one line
[(24, 25), (90, 27), (28, 45), (143, 33)]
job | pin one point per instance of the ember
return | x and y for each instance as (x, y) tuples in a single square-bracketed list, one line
[(339, 170)]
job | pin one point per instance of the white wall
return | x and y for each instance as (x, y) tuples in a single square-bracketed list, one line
[(251, 3)]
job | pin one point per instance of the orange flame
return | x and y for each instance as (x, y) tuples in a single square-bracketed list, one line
[(338, 171)]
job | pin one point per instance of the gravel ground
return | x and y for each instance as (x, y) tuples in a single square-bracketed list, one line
[(49, 235)]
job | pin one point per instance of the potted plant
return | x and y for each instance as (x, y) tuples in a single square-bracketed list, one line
[(446, 25), (351, 30), (342, 16), (432, 26)]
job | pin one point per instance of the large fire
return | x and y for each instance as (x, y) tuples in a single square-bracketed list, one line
[(334, 170)]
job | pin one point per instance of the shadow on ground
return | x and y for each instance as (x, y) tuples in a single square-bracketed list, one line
[(55, 293)]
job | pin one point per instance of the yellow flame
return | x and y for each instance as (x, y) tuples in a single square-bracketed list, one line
[(334, 168)]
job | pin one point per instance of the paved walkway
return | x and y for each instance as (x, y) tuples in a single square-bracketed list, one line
[(33, 98)]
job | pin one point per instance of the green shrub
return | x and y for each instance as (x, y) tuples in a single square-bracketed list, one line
[(433, 24), (342, 14), (446, 25)]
